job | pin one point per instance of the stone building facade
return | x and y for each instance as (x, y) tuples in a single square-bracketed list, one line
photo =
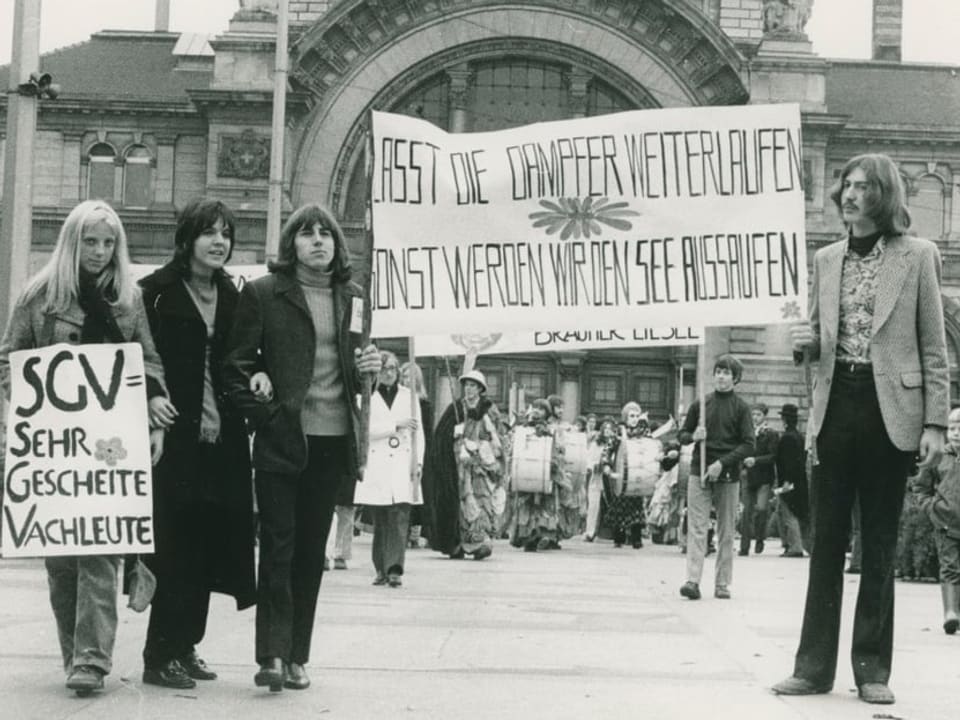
[(150, 119)]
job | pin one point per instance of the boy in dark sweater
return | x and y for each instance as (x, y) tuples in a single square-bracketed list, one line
[(729, 437)]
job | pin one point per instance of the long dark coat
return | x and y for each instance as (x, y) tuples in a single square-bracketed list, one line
[(181, 338)]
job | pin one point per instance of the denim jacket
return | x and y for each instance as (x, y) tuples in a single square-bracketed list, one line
[(31, 327)]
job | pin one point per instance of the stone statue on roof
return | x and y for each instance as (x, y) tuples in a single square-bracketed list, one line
[(786, 18)]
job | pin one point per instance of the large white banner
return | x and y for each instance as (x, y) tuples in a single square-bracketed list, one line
[(78, 471), (651, 218), (556, 340)]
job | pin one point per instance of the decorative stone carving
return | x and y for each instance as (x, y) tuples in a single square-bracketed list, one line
[(245, 156), (661, 29), (786, 18)]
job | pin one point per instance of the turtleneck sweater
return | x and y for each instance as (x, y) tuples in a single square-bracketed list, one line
[(863, 245), (325, 408)]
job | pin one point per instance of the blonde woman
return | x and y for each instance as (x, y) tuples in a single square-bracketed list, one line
[(86, 294), (412, 377)]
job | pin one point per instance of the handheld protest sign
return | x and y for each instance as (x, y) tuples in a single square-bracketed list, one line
[(78, 471)]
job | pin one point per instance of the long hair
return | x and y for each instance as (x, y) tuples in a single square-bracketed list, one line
[(59, 279), (308, 216), (197, 216), (886, 196), (414, 379)]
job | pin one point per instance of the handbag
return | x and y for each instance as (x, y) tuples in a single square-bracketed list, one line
[(143, 585)]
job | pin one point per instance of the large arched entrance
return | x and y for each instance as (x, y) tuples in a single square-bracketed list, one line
[(477, 65)]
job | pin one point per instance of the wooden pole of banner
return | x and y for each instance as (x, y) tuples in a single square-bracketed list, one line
[(366, 383), (414, 405), (702, 392)]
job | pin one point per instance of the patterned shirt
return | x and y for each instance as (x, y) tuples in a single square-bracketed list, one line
[(858, 293)]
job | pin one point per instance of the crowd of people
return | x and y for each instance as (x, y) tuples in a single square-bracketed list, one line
[(281, 360)]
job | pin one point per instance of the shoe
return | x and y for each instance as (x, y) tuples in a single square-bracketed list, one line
[(543, 544), (196, 667), (295, 677), (588, 538), (553, 545), (951, 626), (690, 590), (531, 545), (743, 552), (794, 685), (758, 547), (170, 675), (85, 679), (792, 554), (721, 592), (394, 580), (484, 551), (339, 564), (876, 694), (459, 554), (380, 580), (270, 675)]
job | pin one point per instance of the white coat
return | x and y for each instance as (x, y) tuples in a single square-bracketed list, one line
[(387, 479)]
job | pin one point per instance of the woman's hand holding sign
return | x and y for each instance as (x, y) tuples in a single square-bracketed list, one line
[(156, 444)]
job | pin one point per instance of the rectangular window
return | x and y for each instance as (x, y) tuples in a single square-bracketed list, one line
[(534, 384), (100, 179), (136, 184)]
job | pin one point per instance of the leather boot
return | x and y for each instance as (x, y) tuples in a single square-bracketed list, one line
[(950, 594)]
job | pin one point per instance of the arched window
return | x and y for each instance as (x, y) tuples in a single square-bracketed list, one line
[(101, 177), (926, 207), (137, 175)]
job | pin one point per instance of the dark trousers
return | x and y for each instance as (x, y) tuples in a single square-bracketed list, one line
[(391, 523), (856, 458), (753, 522), (295, 516), (187, 529)]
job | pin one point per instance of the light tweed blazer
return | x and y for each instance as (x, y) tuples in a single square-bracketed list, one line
[(909, 347)]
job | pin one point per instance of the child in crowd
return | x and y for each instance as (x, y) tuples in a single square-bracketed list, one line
[(938, 492), (728, 435)]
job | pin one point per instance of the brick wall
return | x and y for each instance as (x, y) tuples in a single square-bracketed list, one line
[(742, 20), (189, 169), (304, 12), (47, 167), (887, 29)]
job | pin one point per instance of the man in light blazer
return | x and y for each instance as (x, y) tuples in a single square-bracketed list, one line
[(880, 403)]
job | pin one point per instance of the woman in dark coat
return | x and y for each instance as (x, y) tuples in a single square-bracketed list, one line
[(203, 499)]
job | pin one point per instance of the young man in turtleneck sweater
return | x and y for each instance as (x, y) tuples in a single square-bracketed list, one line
[(880, 398), (301, 325), (728, 433)]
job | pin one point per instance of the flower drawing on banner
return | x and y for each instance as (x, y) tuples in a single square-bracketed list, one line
[(110, 451), (790, 310), (576, 217)]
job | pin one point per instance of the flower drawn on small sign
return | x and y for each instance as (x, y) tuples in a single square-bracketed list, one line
[(790, 310), (110, 451), (582, 217)]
